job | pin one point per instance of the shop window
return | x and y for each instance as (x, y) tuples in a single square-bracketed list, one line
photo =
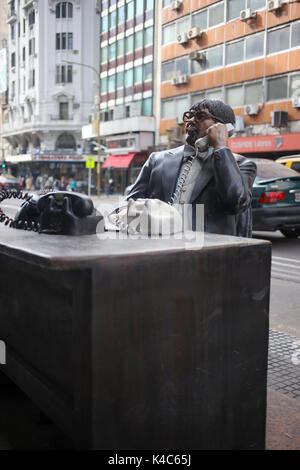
[(277, 88)]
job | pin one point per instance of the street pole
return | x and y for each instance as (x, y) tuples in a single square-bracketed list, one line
[(98, 121)]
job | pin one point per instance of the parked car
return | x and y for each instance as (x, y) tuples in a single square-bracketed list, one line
[(9, 182), (291, 161), (276, 198)]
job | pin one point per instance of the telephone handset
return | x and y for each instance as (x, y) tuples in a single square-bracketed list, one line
[(202, 144), (57, 212)]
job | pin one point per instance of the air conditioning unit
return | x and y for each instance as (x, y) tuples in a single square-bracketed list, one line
[(183, 79), (274, 4), (174, 81), (279, 118), (247, 14), (182, 38), (176, 4), (296, 102), (251, 109), (194, 33), (197, 55)]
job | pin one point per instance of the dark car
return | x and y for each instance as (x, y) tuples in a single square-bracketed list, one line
[(9, 182), (276, 198)]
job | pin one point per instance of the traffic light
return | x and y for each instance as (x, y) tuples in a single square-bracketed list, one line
[(3, 165)]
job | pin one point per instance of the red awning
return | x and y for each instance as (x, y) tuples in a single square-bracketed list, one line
[(118, 161)]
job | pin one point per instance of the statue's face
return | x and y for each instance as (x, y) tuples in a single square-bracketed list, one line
[(196, 124)]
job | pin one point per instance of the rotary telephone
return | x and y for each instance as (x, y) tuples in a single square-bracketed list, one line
[(56, 212)]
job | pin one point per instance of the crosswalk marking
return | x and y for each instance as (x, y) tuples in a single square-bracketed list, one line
[(285, 268)]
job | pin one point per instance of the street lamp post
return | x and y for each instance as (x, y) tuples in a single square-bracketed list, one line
[(98, 122)]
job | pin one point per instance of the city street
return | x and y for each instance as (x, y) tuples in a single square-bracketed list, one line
[(284, 354)]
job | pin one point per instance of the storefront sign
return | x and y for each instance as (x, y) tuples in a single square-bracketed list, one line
[(268, 143)]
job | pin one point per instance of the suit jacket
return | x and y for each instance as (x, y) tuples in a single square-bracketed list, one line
[(224, 187)]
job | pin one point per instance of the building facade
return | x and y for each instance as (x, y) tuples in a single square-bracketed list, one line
[(244, 52), (50, 96), (128, 64), (3, 79)]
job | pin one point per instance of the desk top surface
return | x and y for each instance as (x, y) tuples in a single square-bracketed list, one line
[(61, 251)]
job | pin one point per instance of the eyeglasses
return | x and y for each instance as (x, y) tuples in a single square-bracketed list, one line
[(200, 116)]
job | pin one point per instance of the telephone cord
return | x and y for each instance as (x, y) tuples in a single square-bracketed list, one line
[(21, 224)]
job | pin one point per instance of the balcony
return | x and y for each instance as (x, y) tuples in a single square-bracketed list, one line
[(12, 17), (54, 117)]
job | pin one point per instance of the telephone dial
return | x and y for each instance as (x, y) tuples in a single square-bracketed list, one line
[(56, 212)]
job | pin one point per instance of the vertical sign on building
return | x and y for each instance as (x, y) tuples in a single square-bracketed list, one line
[(3, 71)]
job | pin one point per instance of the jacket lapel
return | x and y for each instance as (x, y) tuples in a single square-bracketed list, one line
[(205, 176), (171, 167)]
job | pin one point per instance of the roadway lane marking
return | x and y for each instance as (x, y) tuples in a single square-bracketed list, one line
[(288, 271)]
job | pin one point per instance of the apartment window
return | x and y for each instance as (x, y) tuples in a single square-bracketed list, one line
[(138, 74), (213, 59), (64, 10), (31, 46), (12, 32), (216, 14), (121, 14), (148, 36), (200, 20), (70, 41), (111, 83), (104, 24), (112, 51), (234, 96), (166, 3), (31, 18), (175, 68), (64, 111), (234, 52), (31, 81), (104, 54), (182, 25), (112, 19), (13, 59), (24, 26), (175, 107), (64, 74), (147, 107), (64, 41), (277, 88), (139, 7), (253, 93), (128, 78), (197, 97), (130, 11), (120, 48), (138, 40), (295, 41), (120, 80), (24, 54), (294, 85), (214, 94), (234, 7), (168, 33), (13, 89), (278, 40), (254, 46), (148, 71), (103, 85), (129, 44)]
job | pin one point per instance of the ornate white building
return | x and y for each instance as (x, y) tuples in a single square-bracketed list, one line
[(50, 99)]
